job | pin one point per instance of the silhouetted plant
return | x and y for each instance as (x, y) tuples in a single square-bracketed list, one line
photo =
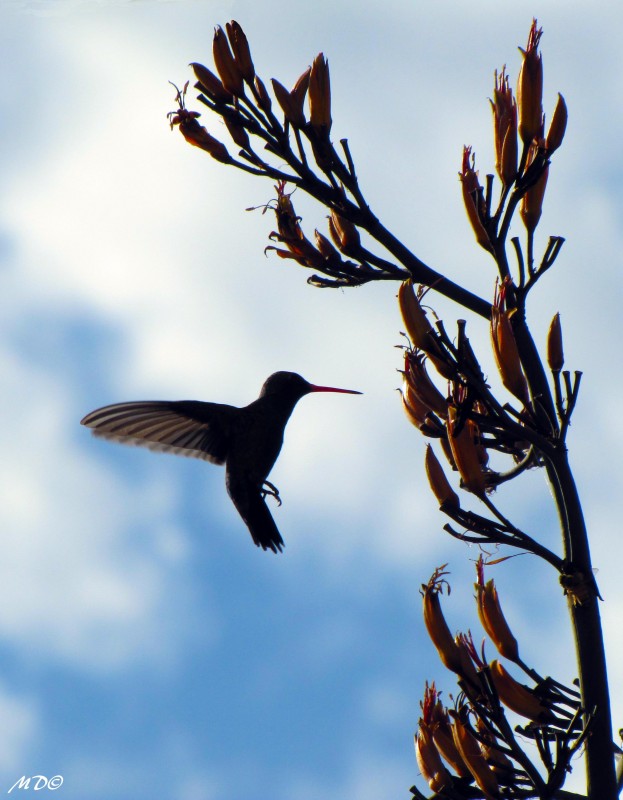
[(469, 750)]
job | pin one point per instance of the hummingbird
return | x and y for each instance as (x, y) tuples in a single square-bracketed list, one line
[(246, 440)]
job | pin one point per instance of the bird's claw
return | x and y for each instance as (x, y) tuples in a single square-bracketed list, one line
[(272, 491)]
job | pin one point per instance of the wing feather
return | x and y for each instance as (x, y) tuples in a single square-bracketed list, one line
[(183, 427)]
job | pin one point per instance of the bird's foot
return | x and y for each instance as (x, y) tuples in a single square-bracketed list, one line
[(272, 491)]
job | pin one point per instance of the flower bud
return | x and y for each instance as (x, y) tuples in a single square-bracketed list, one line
[(492, 617), (555, 354), (429, 761), (320, 96), (263, 98), (499, 762), (211, 85), (345, 234), (505, 129), (557, 127), (505, 349), (516, 696), (530, 88), (472, 197), (197, 135), (419, 381), (437, 627), (465, 452), (325, 247), (442, 736), (413, 407), (292, 102), (242, 53), (532, 202), (226, 65), (445, 494), (416, 322), (468, 670), (469, 748)]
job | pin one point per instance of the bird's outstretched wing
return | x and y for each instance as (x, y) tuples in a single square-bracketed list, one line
[(183, 427)]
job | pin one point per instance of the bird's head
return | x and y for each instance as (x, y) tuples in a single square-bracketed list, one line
[(292, 385)]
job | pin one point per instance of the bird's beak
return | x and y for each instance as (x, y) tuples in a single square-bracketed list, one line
[(314, 388)]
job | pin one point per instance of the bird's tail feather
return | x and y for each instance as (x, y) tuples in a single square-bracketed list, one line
[(260, 523)]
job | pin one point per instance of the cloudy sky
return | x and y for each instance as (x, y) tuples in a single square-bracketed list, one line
[(147, 648)]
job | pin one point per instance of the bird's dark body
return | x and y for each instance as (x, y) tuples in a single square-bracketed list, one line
[(247, 440)]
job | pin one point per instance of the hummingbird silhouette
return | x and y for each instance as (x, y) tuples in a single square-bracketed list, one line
[(246, 440)]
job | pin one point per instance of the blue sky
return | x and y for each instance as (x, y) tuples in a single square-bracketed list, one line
[(147, 648)]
